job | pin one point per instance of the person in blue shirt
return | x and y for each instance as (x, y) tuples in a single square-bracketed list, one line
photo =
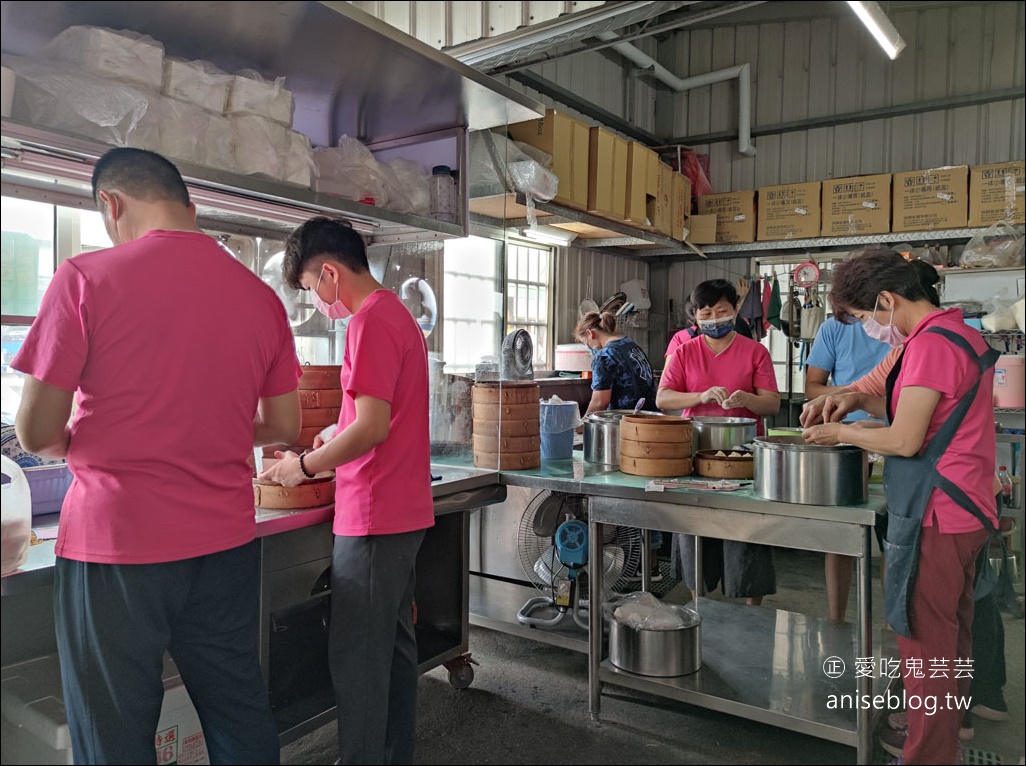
[(620, 375), (841, 354)]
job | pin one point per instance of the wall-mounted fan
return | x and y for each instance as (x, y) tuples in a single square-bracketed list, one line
[(303, 317), (517, 356), (552, 541)]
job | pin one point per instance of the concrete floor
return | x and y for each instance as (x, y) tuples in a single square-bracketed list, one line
[(528, 704)]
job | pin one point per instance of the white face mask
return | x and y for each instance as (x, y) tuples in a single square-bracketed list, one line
[(885, 333), (336, 310)]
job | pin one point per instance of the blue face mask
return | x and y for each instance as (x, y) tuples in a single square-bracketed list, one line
[(716, 328)]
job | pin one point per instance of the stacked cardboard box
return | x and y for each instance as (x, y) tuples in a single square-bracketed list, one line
[(735, 215), (857, 205), (789, 211), (924, 200), (568, 141), (996, 193)]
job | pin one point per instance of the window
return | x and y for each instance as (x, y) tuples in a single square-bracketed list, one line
[(472, 293), (528, 293)]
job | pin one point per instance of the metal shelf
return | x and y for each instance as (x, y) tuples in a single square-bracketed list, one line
[(847, 242)]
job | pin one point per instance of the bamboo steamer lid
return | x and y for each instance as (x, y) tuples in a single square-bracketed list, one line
[(307, 436), (309, 494), (639, 466), (667, 428), (507, 393), (708, 464), (508, 461), (317, 398), (504, 443), (507, 411), (320, 416), (321, 376), (504, 428), (655, 450)]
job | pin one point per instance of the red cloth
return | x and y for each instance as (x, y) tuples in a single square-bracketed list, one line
[(767, 292), (941, 611)]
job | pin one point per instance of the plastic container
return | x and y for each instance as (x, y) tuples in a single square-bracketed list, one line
[(443, 194), (1010, 382), (49, 484), (557, 421), (17, 516)]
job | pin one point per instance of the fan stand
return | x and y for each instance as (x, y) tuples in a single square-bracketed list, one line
[(578, 609)]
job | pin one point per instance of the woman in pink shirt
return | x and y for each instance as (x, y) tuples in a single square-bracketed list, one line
[(720, 373), (940, 445)]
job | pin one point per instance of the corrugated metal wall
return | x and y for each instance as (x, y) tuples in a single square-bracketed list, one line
[(819, 67)]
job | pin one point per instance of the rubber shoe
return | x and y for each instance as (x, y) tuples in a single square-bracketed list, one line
[(898, 720), (989, 713), (893, 741)]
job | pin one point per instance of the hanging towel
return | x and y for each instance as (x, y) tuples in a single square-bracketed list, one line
[(751, 310), (773, 313), (765, 305)]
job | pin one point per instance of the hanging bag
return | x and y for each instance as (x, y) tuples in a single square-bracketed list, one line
[(813, 315)]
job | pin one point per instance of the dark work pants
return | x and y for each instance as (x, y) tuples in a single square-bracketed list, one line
[(115, 621), (373, 647), (988, 654)]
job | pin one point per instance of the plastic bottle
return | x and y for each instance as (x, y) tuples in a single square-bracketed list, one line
[(443, 194), (1006, 486)]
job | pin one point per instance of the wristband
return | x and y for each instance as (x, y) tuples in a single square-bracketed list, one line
[(302, 467)]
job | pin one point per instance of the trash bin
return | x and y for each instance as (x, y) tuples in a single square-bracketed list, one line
[(557, 421)]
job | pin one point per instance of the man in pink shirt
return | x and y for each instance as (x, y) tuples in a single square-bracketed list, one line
[(383, 502), (182, 361)]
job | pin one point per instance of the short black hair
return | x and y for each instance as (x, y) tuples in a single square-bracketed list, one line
[(712, 291), (141, 174), (323, 237), (857, 281)]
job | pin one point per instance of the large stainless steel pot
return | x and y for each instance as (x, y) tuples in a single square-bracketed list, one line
[(602, 436), (790, 470), (721, 433), (662, 653)]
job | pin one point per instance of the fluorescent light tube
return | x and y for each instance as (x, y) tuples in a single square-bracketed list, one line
[(876, 21), (549, 235)]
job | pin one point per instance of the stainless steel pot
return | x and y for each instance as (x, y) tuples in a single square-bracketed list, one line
[(721, 433), (662, 653), (602, 436), (790, 470)]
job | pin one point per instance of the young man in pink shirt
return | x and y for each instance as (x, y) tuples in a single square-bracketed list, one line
[(182, 360), (383, 503)]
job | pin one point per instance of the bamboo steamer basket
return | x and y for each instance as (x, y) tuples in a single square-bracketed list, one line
[(310, 494), (321, 376), (307, 436), (708, 464), (655, 445), (506, 425), (320, 416), (320, 398)]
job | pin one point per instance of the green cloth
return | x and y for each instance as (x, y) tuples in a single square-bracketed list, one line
[(774, 305)]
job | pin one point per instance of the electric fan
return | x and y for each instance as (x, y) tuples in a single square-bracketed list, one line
[(552, 541), (517, 356)]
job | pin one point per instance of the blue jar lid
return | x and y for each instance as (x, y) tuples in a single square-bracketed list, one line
[(440, 170)]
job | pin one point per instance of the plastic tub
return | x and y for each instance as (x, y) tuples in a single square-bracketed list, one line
[(557, 446), (1009, 382)]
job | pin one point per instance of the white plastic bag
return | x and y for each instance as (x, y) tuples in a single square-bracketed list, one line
[(1000, 313), (527, 175), (350, 170), (1000, 246), (414, 181), (115, 54), (252, 94), (197, 82)]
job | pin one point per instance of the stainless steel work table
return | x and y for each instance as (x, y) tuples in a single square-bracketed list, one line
[(763, 664)]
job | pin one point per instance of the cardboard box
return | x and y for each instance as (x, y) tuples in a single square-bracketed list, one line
[(857, 205), (735, 215), (607, 174), (925, 200), (567, 141), (660, 205), (701, 229), (996, 193), (789, 211), (681, 190), (638, 160)]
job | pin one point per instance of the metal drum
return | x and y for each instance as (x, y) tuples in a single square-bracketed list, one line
[(602, 436), (790, 470), (722, 433), (661, 653)]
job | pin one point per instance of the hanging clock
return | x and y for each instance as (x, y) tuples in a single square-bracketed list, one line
[(806, 274)]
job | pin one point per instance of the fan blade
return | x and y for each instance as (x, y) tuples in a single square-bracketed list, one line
[(547, 517)]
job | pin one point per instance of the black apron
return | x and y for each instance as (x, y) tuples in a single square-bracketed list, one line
[(908, 484)]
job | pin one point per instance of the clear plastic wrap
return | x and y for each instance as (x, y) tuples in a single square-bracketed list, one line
[(349, 170), (414, 181), (252, 94), (1000, 315), (557, 416), (643, 611), (196, 82), (115, 54), (66, 99), (258, 146), (527, 175), (183, 131), (1000, 246), (299, 166)]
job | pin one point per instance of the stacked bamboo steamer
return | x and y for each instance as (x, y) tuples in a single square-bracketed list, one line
[(320, 398), (655, 446), (506, 420)]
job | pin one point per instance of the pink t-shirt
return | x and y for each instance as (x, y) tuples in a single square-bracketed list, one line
[(169, 343), (932, 361), (744, 365), (387, 490), (679, 339)]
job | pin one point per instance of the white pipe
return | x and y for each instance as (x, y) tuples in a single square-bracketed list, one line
[(743, 73)]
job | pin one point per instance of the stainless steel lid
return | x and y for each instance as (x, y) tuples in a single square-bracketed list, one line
[(798, 443), (714, 421)]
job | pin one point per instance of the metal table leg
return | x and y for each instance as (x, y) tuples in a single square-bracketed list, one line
[(863, 649), (595, 589)]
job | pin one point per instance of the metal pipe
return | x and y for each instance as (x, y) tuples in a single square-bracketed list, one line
[(742, 72)]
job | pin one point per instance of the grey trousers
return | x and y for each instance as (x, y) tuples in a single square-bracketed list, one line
[(373, 648)]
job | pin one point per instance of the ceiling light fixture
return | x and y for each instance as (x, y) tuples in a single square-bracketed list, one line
[(549, 235), (876, 21)]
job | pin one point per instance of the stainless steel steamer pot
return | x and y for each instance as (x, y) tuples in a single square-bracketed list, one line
[(790, 470), (722, 433), (602, 436)]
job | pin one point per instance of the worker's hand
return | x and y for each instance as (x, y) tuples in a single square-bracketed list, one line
[(826, 435), (828, 408), (737, 399), (286, 471), (716, 394), (318, 442)]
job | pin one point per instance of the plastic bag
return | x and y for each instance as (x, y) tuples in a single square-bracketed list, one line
[(252, 94), (692, 168), (1000, 313), (414, 181), (556, 416), (115, 54), (351, 171), (1000, 246), (643, 611), (198, 82), (526, 175)]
